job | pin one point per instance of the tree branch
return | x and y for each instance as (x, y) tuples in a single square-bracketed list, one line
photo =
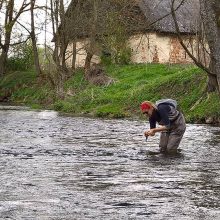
[(1, 45), (20, 42), (21, 10), (1, 3), (199, 64), (23, 27), (166, 15)]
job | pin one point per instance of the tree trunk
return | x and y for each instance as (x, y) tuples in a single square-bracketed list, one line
[(63, 36), (212, 84), (74, 56), (34, 43), (3, 59), (8, 29), (4, 55), (63, 55), (91, 45), (210, 15), (87, 66)]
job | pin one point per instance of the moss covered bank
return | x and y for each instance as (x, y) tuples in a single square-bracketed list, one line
[(132, 85)]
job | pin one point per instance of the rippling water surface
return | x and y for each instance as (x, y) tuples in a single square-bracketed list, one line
[(59, 167)]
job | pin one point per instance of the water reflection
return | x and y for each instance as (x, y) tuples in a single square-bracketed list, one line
[(59, 167)]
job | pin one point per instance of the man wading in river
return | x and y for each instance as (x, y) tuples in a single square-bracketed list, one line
[(171, 120)]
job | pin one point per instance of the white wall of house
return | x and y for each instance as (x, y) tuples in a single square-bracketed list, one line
[(81, 54), (149, 48), (160, 48)]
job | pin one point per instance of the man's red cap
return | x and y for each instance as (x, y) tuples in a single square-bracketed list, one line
[(145, 106)]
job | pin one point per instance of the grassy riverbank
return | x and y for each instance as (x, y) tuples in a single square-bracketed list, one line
[(132, 85)]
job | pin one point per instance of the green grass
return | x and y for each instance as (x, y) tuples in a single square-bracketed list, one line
[(132, 85), (17, 78), (25, 87)]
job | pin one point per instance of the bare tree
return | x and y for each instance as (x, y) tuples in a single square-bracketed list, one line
[(77, 22), (210, 13), (10, 19), (92, 38), (33, 38), (61, 42), (59, 25)]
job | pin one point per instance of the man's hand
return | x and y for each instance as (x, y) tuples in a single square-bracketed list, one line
[(150, 132)]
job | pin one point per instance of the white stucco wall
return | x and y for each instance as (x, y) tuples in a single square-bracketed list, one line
[(148, 48), (81, 54), (163, 46), (160, 48)]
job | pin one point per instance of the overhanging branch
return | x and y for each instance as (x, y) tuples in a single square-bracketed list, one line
[(20, 42), (199, 64), (166, 15)]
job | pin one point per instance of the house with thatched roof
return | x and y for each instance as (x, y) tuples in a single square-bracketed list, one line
[(160, 43), (152, 33)]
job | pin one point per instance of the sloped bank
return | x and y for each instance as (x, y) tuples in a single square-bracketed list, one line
[(132, 85)]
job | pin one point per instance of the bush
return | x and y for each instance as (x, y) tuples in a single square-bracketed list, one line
[(122, 57), (22, 59), (64, 106)]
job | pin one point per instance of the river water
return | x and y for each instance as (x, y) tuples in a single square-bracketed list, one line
[(61, 167)]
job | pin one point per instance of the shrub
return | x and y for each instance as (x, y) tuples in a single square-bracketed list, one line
[(22, 59)]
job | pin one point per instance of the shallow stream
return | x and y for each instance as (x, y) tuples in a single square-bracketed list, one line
[(55, 167)]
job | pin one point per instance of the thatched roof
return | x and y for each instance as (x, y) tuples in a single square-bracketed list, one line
[(187, 15), (143, 16), (79, 20)]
